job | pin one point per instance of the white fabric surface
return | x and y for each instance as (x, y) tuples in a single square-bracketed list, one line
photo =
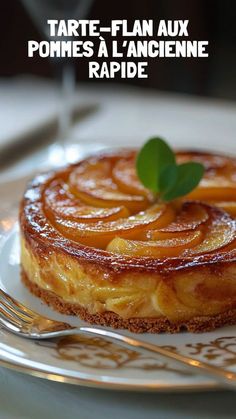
[(128, 117)]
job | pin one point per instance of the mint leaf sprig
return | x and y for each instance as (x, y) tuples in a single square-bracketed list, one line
[(158, 171)]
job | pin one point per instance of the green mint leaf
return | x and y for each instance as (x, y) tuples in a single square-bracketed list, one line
[(188, 177), (157, 170), (168, 178), (151, 159)]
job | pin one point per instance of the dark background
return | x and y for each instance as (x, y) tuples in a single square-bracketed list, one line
[(214, 21)]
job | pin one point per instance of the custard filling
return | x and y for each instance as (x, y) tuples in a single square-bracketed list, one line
[(144, 295)]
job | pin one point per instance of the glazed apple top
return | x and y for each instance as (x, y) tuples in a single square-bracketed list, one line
[(100, 203)]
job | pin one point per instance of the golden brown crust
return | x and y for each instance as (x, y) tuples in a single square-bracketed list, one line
[(135, 325)]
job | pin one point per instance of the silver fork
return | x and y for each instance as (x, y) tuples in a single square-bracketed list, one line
[(20, 320)]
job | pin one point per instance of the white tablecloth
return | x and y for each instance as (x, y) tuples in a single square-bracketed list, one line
[(128, 117)]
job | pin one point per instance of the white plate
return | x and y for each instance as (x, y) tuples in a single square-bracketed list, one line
[(90, 361)]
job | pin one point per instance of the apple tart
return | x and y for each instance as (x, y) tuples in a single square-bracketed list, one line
[(96, 243)]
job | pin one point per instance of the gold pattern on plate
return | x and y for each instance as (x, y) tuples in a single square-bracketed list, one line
[(100, 354), (221, 351)]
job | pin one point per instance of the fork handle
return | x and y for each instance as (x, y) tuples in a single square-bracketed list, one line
[(223, 376)]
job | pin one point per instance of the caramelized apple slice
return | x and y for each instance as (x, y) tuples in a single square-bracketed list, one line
[(190, 295), (220, 233), (166, 300), (124, 175), (228, 206), (100, 234), (130, 306), (92, 182), (61, 203), (206, 293), (212, 162), (219, 179), (217, 188), (190, 218), (156, 249)]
